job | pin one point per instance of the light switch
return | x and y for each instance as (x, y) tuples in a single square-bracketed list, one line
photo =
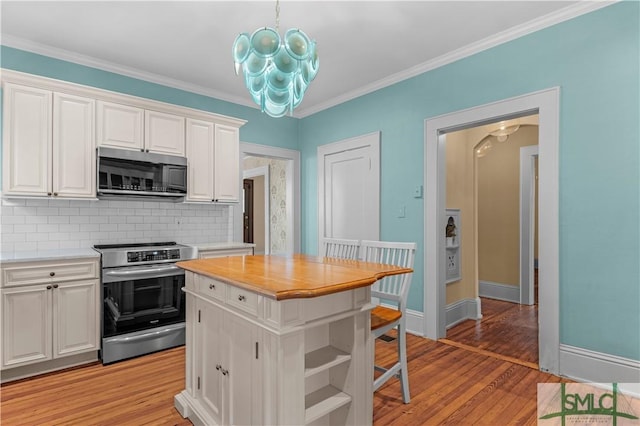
[(401, 211), (417, 192)]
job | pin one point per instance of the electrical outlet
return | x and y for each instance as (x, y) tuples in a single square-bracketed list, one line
[(417, 192)]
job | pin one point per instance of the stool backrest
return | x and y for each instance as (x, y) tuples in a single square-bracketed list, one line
[(341, 248)]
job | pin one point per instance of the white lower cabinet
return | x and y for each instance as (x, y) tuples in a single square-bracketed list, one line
[(56, 315), (290, 362), (227, 366)]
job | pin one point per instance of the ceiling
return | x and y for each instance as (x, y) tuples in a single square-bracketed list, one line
[(362, 45)]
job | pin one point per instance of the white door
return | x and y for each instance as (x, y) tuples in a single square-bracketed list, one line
[(349, 189), (74, 152), (26, 324), (164, 133), (75, 317), (227, 164), (208, 355), (26, 150)]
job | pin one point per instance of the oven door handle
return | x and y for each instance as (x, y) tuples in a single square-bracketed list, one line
[(127, 274)]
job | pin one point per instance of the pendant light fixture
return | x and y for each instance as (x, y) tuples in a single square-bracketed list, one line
[(277, 71)]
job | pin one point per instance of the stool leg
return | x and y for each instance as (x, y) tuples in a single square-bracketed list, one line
[(402, 352)]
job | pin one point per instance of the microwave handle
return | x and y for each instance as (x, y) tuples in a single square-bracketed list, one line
[(126, 274)]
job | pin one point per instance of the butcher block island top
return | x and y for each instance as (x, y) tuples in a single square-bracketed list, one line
[(292, 277)]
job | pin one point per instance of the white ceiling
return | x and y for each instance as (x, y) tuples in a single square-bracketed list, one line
[(362, 45)]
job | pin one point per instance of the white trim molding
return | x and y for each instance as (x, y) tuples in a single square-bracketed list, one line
[(499, 291), (546, 103), (585, 365), (462, 310)]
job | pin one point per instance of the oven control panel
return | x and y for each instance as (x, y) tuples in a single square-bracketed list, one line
[(151, 255)]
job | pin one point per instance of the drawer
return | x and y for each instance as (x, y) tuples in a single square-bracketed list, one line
[(242, 299), (208, 287), (27, 273)]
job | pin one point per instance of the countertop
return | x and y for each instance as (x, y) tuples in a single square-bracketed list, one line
[(75, 253), (292, 277), (219, 246), (39, 255)]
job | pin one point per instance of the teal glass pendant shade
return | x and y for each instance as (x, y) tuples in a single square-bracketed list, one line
[(277, 71)]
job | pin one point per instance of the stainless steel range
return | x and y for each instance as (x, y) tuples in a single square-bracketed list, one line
[(143, 302)]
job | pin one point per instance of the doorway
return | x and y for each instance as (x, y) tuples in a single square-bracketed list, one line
[(546, 104), (483, 181), (282, 190)]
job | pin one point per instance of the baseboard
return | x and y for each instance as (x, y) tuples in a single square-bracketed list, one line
[(455, 313), (43, 367), (506, 292), (584, 365)]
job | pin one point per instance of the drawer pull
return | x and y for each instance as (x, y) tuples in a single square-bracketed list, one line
[(55, 286), (241, 298), (212, 286), (48, 287), (52, 274)]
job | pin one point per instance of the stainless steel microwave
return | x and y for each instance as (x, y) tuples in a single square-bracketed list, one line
[(129, 173)]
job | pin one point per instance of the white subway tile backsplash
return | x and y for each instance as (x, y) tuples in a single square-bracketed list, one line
[(41, 224)]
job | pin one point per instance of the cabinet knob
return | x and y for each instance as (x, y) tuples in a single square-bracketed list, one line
[(225, 372), (48, 287), (241, 298), (142, 150), (55, 194), (55, 286), (52, 274), (212, 286), (218, 366), (48, 193)]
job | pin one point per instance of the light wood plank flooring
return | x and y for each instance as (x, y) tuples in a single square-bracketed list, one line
[(449, 385)]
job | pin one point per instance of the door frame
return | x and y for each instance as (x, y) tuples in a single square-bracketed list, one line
[(264, 172), (292, 196), (546, 103), (527, 222), (369, 139)]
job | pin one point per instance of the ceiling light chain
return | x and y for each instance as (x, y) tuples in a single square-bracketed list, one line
[(277, 71)]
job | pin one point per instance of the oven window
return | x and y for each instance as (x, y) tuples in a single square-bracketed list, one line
[(141, 304)]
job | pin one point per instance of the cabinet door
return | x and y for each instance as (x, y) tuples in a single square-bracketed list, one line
[(241, 359), (26, 325), (210, 343), (26, 150), (227, 164), (75, 317), (164, 133), (120, 126), (200, 147), (74, 153)]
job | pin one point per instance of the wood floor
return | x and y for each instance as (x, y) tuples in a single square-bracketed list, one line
[(506, 329), (449, 385)]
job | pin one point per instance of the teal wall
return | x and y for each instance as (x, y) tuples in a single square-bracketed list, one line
[(594, 59)]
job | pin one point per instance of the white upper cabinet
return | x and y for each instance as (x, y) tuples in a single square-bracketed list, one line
[(200, 152), (164, 133), (49, 144), (120, 126), (129, 127), (74, 155), (26, 148), (213, 152), (227, 163)]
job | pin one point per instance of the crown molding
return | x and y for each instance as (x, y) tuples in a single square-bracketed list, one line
[(562, 15), (76, 58)]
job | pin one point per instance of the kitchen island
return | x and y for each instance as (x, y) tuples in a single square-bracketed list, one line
[(277, 340)]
